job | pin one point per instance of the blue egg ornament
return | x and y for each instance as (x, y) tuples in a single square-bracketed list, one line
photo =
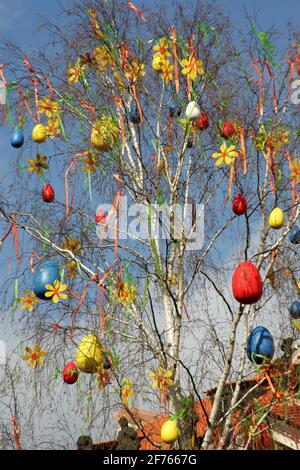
[(295, 309), (294, 235), (134, 115), (17, 138), (260, 343), (46, 273)]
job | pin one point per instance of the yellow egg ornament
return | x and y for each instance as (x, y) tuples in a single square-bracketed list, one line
[(157, 64), (169, 432), (39, 134), (105, 134), (276, 218), (89, 354)]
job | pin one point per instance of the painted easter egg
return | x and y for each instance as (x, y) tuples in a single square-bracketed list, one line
[(105, 134), (169, 432), (48, 193), (239, 205), (46, 273), (260, 343), (17, 138), (89, 354), (227, 129), (295, 309), (247, 286), (202, 122), (192, 110), (70, 373), (276, 218), (134, 115), (294, 235), (39, 134), (157, 64)]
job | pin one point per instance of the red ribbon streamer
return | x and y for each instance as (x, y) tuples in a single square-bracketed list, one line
[(119, 103), (31, 261), (92, 109), (259, 82), (23, 97), (136, 10), (274, 85), (16, 433), (174, 41)]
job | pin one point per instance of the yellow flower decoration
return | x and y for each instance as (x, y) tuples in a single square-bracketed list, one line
[(161, 379), (76, 72), (226, 155), (28, 301), (295, 170), (71, 270), (126, 294), (53, 128), (38, 165), (162, 48), (91, 162), (135, 70), (34, 356), (56, 291), (73, 245), (167, 70), (127, 391), (102, 57), (192, 67), (48, 106)]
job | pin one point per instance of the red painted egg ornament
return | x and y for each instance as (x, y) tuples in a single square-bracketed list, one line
[(202, 122), (239, 205), (227, 129), (247, 286), (48, 194), (70, 373)]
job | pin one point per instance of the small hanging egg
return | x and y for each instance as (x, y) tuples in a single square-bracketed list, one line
[(134, 115), (48, 194), (192, 110), (39, 134), (169, 432), (17, 138), (239, 205), (157, 64), (276, 218), (202, 122), (260, 345), (294, 235), (70, 373), (227, 129), (295, 309), (47, 273)]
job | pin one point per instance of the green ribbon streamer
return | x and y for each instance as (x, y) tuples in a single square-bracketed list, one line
[(16, 294)]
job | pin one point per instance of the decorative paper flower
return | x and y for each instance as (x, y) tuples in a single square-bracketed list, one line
[(48, 106), (135, 70), (167, 69), (38, 165), (76, 72), (56, 291), (34, 356), (161, 378), (73, 245), (71, 270), (124, 292), (295, 170), (226, 155), (91, 162), (28, 301), (162, 48), (53, 128), (127, 391), (192, 67), (102, 57)]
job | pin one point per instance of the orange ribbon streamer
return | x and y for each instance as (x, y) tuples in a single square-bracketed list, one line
[(31, 261), (231, 175), (293, 182), (192, 55), (137, 103), (23, 97), (259, 82), (243, 148), (174, 41), (270, 160), (92, 109), (16, 239), (136, 10), (274, 85), (292, 63), (95, 25), (16, 433)]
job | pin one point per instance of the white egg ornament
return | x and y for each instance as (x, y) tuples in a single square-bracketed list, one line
[(192, 111)]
